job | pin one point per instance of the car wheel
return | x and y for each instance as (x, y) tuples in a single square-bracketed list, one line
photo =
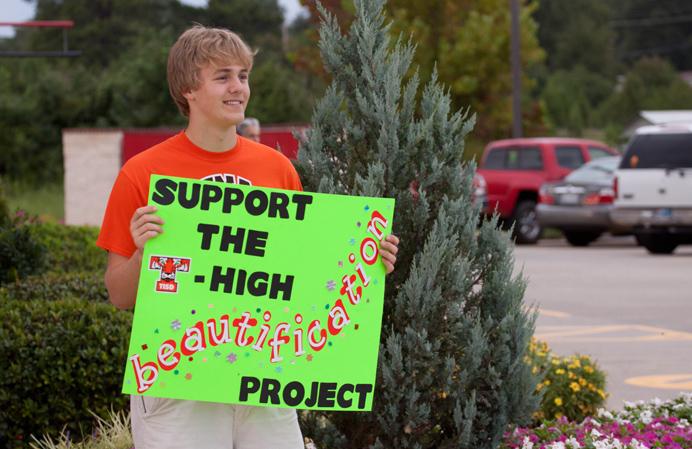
[(527, 229), (638, 239), (581, 238), (658, 244)]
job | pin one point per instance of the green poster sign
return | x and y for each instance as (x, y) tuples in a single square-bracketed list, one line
[(260, 296)]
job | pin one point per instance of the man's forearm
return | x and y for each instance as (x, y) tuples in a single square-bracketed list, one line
[(122, 280)]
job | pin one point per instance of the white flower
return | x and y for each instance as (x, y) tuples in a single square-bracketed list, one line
[(603, 413), (646, 417), (557, 445), (595, 433), (602, 444), (527, 444), (637, 445), (573, 443)]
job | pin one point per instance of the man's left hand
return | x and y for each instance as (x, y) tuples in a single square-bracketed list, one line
[(388, 249)]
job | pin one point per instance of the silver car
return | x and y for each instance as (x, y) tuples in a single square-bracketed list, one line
[(579, 206)]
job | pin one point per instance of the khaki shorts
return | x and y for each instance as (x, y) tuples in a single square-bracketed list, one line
[(159, 423)]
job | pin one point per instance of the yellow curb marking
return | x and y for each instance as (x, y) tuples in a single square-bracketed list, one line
[(553, 313), (591, 333), (667, 381)]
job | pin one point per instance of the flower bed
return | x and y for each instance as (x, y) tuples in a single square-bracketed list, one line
[(655, 424)]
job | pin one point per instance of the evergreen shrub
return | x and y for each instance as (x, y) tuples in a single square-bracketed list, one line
[(52, 286), (70, 248), (451, 371), (61, 360), (571, 387)]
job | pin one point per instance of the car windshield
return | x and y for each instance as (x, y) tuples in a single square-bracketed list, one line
[(659, 151), (599, 170)]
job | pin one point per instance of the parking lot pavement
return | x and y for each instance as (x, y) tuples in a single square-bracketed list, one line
[(627, 309)]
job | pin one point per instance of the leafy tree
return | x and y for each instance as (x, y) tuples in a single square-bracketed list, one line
[(120, 79), (135, 91), (651, 84), (470, 42), (659, 28), (105, 28), (279, 95), (577, 34), (571, 97), (451, 366), (38, 100), (258, 22)]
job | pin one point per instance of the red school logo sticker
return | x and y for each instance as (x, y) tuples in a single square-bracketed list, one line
[(168, 266)]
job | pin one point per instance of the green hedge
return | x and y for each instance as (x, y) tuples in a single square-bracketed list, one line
[(20, 253), (60, 360), (70, 248), (52, 286)]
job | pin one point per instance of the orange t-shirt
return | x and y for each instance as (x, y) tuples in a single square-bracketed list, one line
[(248, 163)]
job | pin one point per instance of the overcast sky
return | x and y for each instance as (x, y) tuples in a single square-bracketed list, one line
[(20, 10)]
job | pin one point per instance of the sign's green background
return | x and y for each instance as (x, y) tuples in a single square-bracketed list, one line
[(315, 250)]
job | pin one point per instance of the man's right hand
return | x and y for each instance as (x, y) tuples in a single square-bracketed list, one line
[(145, 225), (122, 273)]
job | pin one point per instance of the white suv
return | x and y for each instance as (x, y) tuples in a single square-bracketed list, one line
[(653, 187)]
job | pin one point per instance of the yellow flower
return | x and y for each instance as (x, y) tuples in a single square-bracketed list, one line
[(555, 362), (582, 381), (588, 369), (571, 375), (559, 371), (558, 401), (539, 387), (575, 386), (534, 370), (601, 393), (547, 382), (558, 415)]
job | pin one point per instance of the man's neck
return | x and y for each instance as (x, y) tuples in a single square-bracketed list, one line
[(211, 138)]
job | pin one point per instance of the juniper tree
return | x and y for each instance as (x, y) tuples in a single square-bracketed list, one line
[(451, 370)]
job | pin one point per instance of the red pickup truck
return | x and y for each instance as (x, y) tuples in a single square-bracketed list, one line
[(514, 170)]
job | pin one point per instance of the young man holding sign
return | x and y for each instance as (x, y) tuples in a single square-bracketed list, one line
[(208, 73)]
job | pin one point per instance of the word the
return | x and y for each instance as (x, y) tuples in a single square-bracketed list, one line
[(252, 242)]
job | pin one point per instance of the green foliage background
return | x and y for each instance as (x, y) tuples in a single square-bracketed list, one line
[(585, 66), (120, 78)]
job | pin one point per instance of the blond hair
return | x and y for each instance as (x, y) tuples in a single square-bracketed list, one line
[(196, 48)]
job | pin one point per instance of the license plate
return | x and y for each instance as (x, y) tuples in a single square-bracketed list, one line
[(569, 198), (664, 213)]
